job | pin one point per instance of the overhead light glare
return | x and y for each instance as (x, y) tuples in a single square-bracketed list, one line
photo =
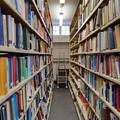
[(61, 19), (62, 1)]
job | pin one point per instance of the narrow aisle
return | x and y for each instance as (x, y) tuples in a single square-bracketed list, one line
[(62, 107)]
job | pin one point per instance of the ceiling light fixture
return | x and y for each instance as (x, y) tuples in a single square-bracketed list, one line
[(62, 1), (61, 18)]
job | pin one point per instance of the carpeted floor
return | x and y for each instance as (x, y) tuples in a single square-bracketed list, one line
[(62, 107)]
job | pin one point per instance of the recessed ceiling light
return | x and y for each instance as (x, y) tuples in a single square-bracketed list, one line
[(62, 1)]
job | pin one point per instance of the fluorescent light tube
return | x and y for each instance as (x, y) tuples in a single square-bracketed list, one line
[(61, 19), (62, 1)]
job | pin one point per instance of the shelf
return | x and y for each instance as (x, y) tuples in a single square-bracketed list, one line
[(112, 22), (88, 18), (116, 81), (20, 51), (20, 85), (49, 106), (91, 34), (36, 111), (99, 30), (40, 103), (87, 101), (76, 107), (74, 46), (38, 89), (74, 27), (29, 103), (97, 52), (74, 54), (97, 94), (4, 4), (79, 101), (40, 16)]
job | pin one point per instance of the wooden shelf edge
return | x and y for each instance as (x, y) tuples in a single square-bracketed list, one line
[(78, 101), (99, 74), (76, 107), (41, 18), (88, 18), (87, 101), (21, 51), (103, 100), (4, 2), (117, 50), (20, 85)]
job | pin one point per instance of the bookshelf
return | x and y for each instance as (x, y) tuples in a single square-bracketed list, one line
[(26, 77), (94, 59)]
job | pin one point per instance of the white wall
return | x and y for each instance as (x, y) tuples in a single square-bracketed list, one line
[(60, 49)]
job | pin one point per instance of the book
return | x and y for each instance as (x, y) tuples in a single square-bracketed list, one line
[(111, 38), (15, 107), (3, 76), (1, 28)]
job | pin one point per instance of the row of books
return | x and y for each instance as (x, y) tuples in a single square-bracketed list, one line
[(44, 10), (41, 6), (24, 8), (108, 39), (91, 25), (16, 35), (108, 90), (14, 108), (100, 108), (85, 9), (107, 12), (17, 69), (12, 30), (110, 10), (104, 64)]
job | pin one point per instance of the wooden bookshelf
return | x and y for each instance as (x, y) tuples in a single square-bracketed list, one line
[(88, 18), (86, 99), (94, 42), (21, 51), (37, 62), (78, 101), (20, 85), (41, 18), (18, 17), (97, 94)]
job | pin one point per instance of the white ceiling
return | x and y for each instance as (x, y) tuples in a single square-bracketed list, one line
[(68, 10)]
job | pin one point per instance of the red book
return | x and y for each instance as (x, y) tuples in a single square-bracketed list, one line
[(106, 113), (14, 71)]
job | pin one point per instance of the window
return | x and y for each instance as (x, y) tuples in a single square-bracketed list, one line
[(56, 30), (65, 30)]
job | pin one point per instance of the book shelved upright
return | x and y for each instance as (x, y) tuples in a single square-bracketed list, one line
[(25, 60), (94, 78)]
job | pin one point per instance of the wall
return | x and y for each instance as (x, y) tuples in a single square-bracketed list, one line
[(60, 50)]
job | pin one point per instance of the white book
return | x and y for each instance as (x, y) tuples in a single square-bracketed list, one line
[(117, 7), (4, 30), (13, 32)]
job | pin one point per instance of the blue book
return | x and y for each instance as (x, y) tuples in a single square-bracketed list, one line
[(29, 114), (10, 72), (3, 113), (15, 107), (111, 38), (17, 35), (1, 29), (113, 96)]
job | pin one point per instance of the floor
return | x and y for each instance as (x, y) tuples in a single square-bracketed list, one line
[(62, 107)]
